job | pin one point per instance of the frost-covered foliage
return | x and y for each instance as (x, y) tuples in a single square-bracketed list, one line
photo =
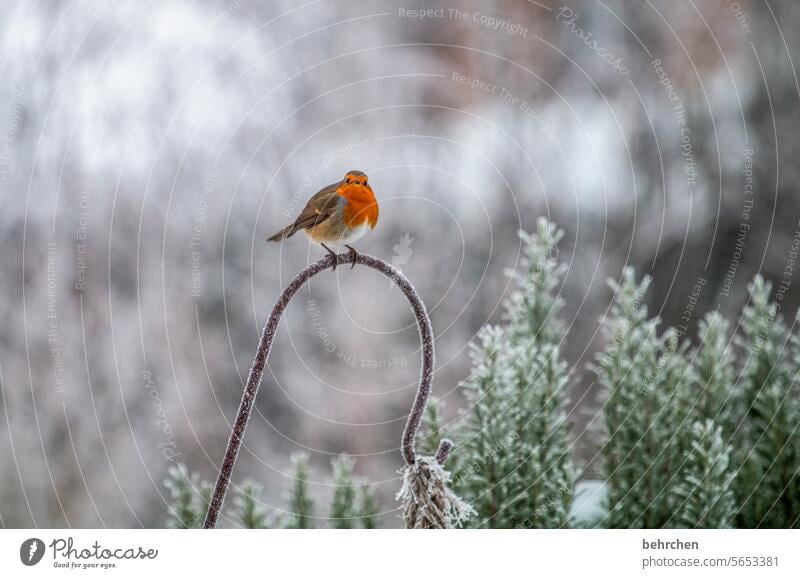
[(367, 507), (515, 468), (248, 508), (344, 511), (705, 493), (698, 436), (714, 367), (426, 498), (648, 386), (191, 77), (622, 368), (486, 440), (300, 504), (432, 431), (189, 497), (768, 486), (353, 503), (693, 437)]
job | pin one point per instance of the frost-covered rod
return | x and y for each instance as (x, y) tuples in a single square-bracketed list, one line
[(257, 369)]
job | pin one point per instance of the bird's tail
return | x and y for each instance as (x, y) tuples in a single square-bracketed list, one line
[(284, 233)]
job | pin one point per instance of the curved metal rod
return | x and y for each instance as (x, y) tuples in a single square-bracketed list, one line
[(257, 369)]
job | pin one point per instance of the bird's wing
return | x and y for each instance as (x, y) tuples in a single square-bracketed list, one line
[(319, 208)]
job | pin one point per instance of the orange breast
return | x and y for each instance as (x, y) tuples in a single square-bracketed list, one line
[(362, 207)]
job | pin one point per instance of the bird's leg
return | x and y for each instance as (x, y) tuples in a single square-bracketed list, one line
[(354, 256), (335, 256)]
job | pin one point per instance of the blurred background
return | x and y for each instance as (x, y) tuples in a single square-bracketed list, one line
[(148, 148)]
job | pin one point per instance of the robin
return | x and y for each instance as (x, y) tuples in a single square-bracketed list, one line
[(339, 214)]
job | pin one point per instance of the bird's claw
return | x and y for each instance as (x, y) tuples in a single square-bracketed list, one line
[(353, 256), (330, 252), (352, 253)]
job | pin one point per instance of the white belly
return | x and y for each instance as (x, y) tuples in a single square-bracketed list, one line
[(349, 236), (356, 233)]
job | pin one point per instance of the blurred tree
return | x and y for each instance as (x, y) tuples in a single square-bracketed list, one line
[(704, 494), (344, 510), (190, 497), (247, 506), (367, 506), (519, 444), (300, 504)]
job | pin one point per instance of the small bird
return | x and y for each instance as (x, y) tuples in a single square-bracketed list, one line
[(338, 214)]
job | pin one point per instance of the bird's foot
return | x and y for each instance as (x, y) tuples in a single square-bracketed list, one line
[(330, 252), (353, 255)]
